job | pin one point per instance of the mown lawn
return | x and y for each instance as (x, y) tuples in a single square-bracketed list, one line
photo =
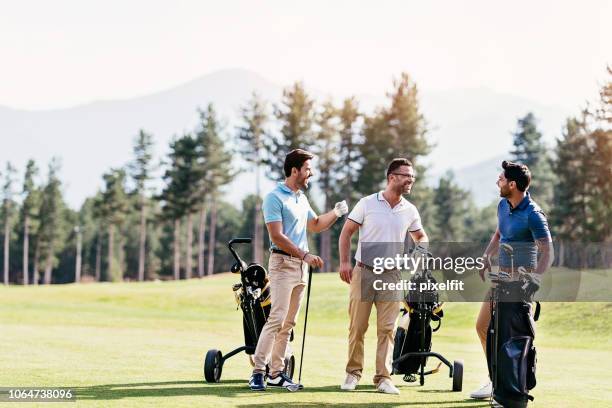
[(142, 344)]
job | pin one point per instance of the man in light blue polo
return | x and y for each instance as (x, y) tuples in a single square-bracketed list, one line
[(288, 215)]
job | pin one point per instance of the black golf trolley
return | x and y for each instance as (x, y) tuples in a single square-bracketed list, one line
[(413, 343), (253, 297)]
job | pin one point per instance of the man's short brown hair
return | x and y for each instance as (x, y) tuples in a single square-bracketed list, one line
[(517, 172), (396, 164), (296, 158)]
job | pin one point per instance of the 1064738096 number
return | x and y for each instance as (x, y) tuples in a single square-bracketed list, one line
[(36, 394)]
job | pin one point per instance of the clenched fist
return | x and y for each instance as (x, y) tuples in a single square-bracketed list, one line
[(341, 208)]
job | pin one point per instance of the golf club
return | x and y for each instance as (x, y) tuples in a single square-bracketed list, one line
[(299, 385)]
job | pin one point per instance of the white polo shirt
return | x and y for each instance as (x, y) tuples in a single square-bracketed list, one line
[(379, 223)]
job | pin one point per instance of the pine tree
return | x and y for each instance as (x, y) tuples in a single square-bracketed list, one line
[(451, 203), (29, 213), (141, 169), (604, 113), (530, 149), (347, 166), (115, 209), (252, 134), (50, 228), (397, 130), (181, 194), (216, 170), (295, 115), (8, 209), (569, 213), (326, 149)]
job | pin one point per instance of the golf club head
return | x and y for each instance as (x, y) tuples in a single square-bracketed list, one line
[(507, 248), (295, 387)]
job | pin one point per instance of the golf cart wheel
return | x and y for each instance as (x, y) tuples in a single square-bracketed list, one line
[(457, 375), (289, 366), (213, 365)]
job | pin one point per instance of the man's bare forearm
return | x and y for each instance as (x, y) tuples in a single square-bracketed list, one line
[(285, 244), (324, 222), (344, 245), (547, 255), (493, 246)]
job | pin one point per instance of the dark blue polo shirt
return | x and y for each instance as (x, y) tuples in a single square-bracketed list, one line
[(520, 227)]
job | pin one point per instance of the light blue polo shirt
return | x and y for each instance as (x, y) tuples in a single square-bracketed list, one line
[(292, 209), (520, 227)]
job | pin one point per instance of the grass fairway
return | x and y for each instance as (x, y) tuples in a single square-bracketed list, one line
[(135, 345)]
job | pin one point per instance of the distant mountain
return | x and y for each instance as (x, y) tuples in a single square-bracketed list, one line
[(468, 126)]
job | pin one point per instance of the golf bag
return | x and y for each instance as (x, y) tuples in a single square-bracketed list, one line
[(254, 300), (511, 354), (414, 331), (412, 346)]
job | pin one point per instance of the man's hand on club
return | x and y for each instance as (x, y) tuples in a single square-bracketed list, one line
[(346, 271), (341, 208), (313, 260), (486, 267)]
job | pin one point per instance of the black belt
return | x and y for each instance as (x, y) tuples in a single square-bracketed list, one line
[(280, 251)]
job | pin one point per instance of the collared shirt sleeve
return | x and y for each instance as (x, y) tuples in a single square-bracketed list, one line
[(358, 213), (538, 225), (416, 224), (272, 208)]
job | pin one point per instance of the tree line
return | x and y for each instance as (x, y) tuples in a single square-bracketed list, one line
[(129, 231)]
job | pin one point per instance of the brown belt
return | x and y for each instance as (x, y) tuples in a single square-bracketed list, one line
[(516, 271), (371, 268)]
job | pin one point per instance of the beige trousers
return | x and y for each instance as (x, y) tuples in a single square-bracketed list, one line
[(482, 323), (287, 282), (359, 313)]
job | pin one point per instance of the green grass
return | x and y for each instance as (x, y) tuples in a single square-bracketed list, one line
[(136, 345)]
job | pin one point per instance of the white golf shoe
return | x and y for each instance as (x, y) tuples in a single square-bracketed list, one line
[(483, 392), (387, 387), (350, 382)]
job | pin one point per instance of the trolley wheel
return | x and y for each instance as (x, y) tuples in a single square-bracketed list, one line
[(289, 366), (213, 365), (457, 375)]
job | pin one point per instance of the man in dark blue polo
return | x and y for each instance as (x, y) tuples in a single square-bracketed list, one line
[(522, 224)]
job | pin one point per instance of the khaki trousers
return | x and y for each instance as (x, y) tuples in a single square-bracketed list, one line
[(359, 313), (482, 323), (287, 282)]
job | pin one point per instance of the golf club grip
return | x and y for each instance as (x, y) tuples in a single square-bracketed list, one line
[(305, 322)]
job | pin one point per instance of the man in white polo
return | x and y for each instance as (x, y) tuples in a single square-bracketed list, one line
[(385, 218)]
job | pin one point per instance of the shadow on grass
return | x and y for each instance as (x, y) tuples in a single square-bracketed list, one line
[(231, 388), (471, 403)]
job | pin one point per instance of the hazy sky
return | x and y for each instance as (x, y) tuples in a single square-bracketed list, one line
[(61, 53)]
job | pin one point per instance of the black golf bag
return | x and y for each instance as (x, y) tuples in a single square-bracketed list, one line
[(512, 359), (253, 297), (421, 308), (412, 346)]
